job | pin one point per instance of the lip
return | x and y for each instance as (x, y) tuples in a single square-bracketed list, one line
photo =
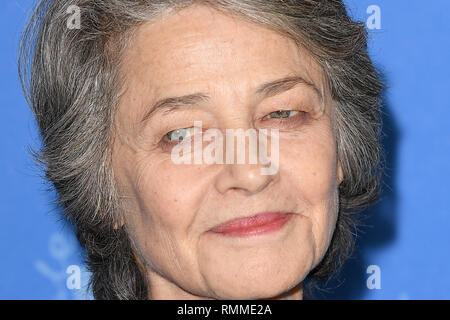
[(257, 224)]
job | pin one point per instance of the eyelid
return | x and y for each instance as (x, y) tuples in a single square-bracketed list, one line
[(171, 131), (201, 129), (293, 121), (267, 115)]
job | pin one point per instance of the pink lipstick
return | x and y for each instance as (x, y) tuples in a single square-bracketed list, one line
[(254, 225)]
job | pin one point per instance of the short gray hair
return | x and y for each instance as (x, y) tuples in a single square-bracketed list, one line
[(72, 82)]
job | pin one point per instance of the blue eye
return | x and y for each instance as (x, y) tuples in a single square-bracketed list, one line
[(281, 114), (179, 134)]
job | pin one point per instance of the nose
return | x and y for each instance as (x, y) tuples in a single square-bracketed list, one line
[(248, 177), (245, 177)]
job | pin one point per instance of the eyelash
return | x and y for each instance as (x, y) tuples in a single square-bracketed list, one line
[(299, 116), (289, 120)]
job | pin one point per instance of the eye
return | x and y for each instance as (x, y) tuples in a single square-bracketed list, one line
[(281, 114), (179, 134)]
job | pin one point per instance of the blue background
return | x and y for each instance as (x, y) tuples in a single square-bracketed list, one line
[(408, 235)]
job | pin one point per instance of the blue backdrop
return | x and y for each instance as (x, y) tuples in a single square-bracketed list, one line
[(404, 253)]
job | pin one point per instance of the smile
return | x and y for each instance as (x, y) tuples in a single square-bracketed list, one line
[(255, 225)]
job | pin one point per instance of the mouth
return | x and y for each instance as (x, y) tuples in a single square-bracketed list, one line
[(261, 223)]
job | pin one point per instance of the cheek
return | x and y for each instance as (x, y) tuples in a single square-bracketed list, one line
[(166, 198), (167, 192), (309, 166)]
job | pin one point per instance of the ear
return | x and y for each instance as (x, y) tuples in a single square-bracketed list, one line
[(340, 173)]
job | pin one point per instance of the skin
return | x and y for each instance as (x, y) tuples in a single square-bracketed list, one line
[(170, 208)]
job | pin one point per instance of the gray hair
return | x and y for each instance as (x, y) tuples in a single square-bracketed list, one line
[(72, 82)]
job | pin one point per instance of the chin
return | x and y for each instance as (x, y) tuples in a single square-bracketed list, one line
[(257, 286)]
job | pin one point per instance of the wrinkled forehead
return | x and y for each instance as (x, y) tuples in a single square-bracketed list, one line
[(209, 50)]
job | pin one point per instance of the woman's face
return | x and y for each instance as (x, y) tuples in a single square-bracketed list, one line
[(171, 208)]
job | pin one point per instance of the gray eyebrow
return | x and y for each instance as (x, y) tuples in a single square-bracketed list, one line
[(172, 103), (278, 86), (263, 91)]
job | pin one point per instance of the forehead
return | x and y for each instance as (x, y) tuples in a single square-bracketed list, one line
[(199, 47)]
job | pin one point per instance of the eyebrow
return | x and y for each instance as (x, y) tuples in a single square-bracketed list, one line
[(265, 90)]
